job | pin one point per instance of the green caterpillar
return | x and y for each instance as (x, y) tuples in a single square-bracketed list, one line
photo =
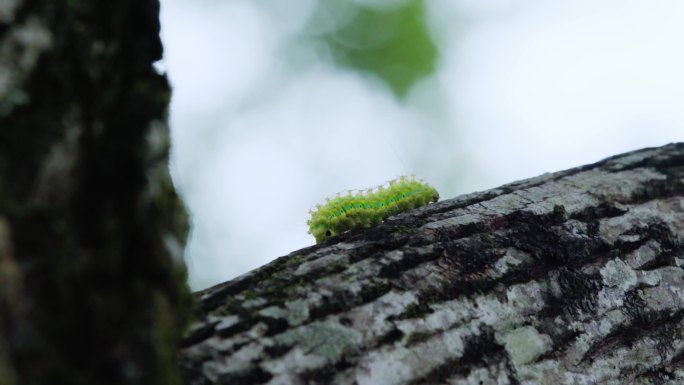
[(370, 208)]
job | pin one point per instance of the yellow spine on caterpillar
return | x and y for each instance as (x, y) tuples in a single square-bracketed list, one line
[(359, 210)]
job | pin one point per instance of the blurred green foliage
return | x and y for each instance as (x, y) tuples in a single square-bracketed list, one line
[(390, 42)]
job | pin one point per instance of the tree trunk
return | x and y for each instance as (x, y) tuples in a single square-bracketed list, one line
[(92, 288), (568, 278)]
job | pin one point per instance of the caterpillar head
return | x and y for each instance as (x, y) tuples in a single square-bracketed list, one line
[(322, 232)]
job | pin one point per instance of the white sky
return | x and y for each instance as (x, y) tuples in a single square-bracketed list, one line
[(264, 127)]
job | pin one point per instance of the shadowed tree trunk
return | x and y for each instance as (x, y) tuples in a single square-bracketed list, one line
[(568, 278), (92, 289)]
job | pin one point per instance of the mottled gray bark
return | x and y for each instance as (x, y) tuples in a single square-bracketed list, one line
[(569, 278), (92, 286)]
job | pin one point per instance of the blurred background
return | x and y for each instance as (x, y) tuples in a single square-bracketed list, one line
[(279, 104)]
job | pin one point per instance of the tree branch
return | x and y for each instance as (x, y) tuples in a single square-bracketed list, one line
[(571, 277)]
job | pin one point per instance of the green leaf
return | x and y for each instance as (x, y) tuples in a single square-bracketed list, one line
[(393, 44)]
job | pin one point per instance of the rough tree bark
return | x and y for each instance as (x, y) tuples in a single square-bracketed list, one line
[(569, 278), (92, 287)]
